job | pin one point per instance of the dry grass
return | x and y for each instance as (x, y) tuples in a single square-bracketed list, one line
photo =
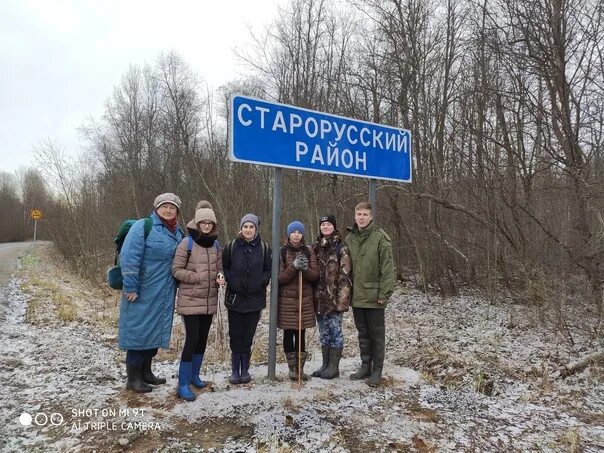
[(289, 404), (48, 299), (483, 383), (32, 310), (572, 439), (66, 308), (274, 445)]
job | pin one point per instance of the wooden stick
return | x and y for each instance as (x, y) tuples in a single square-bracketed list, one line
[(572, 368), (299, 327)]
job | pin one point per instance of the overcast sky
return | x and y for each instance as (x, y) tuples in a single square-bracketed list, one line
[(59, 60)]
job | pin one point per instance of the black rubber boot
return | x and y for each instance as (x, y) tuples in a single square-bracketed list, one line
[(360, 321), (333, 370), (135, 381), (325, 350), (245, 368), (235, 368), (148, 376), (377, 332)]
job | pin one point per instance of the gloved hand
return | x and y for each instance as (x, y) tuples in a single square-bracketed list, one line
[(300, 263)]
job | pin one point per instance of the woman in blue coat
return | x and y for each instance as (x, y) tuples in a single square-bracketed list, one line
[(147, 304)]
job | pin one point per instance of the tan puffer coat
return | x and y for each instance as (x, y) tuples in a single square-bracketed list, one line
[(198, 291), (288, 290)]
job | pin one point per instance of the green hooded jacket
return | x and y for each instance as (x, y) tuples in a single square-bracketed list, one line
[(372, 266)]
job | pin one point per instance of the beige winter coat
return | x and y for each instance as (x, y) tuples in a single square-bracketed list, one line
[(198, 291)]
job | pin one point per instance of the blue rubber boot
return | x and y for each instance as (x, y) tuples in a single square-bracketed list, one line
[(235, 372), (245, 366), (184, 379), (195, 368)]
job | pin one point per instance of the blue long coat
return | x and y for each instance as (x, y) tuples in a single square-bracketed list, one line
[(146, 323)]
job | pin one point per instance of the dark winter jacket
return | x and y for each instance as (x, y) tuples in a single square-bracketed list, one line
[(198, 291), (372, 266), (247, 275), (288, 289), (332, 293)]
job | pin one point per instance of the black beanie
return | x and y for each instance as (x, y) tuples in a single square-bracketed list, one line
[(329, 218)]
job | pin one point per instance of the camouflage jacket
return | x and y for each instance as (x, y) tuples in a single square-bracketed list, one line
[(332, 293)]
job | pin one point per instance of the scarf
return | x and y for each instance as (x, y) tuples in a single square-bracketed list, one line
[(171, 224)]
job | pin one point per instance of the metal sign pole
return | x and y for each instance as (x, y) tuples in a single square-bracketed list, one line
[(35, 229), (272, 332), (372, 196)]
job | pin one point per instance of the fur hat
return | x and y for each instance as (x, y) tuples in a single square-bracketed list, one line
[(166, 198), (296, 225), (328, 218), (250, 218)]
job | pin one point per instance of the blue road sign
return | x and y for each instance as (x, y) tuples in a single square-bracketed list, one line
[(281, 135)]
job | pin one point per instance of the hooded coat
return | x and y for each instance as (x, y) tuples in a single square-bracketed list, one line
[(146, 265), (288, 305), (198, 291)]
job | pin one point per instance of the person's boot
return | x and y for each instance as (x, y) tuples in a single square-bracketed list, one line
[(235, 368), (148, 376), (333, 370), (303, 357), (196, 362), (135, 381), (184, 379), (378, 346), (325, 350), (292, 363), (360, 322), (245, 367)]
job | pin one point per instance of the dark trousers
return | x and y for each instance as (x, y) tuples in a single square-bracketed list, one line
[(242, 328), (291, 340), (197, 328), (136, 357), (372, 334)]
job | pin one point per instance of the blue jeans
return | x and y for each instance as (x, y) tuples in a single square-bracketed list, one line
[(330, 330)]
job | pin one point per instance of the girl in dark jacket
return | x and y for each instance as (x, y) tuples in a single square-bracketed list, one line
[(296, 257), (247, 268), (332, 294)]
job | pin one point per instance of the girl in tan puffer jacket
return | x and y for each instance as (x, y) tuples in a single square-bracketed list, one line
[(198, 266)]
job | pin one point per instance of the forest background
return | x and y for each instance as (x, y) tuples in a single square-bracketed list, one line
[(505, 100)]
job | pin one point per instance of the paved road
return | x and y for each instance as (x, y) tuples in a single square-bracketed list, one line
[(9, 253)]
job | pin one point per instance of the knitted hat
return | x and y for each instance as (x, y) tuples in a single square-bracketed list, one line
[(203, 204), (328, 218), (296, 225), (166, 198), (250, 218), (205, 214)]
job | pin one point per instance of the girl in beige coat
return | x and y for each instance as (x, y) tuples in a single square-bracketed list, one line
[(198, 266)]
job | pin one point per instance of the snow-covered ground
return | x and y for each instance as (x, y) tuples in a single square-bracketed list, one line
[(462, 374)]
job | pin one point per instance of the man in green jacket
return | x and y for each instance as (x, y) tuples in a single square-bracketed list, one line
[(372, 285)]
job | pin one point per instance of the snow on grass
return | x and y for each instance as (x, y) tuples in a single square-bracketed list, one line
[(460, 374)]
